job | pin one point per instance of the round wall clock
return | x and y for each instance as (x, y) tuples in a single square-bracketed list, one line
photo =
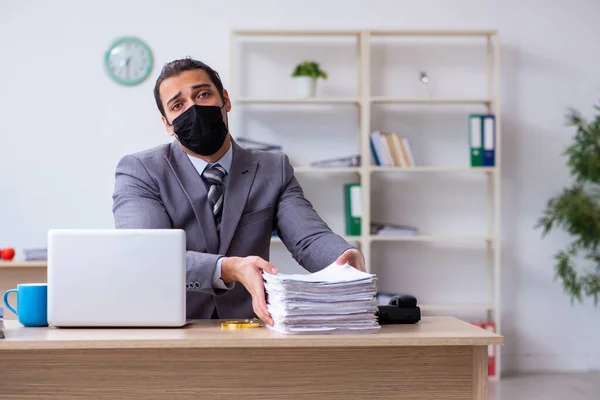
[(128, 61)]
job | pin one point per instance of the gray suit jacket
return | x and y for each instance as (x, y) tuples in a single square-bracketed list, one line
[(160, 188)]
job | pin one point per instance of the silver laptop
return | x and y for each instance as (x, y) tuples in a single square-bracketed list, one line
[(116, 277)]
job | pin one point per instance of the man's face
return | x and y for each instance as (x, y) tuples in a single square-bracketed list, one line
[(180, 92)]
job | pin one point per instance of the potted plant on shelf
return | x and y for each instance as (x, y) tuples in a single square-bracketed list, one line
[(306, 75), (576, 209)]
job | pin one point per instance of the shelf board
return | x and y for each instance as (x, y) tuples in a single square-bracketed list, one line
[(342, 170), (326, 170), (426, 238), (432, 169), (447, 33), (296, 100), (23, 264), (354, 100), (454, 307), (299, 32), (295, 32), (275, 239), (399, 100)]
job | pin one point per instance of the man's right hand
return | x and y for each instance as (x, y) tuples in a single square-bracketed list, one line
[(248, 271)]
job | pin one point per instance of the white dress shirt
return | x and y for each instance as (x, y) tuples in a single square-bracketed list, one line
[(200, 166)]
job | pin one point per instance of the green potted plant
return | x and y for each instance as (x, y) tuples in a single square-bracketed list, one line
[(306, 75), (576, 210)]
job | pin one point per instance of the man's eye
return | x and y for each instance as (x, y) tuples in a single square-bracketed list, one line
[(203, 95), (176, 107)]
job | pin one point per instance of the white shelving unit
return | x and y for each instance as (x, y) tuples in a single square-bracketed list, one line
[(364, 102)]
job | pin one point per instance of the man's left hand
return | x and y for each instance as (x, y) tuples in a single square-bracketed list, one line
[(354, 258)]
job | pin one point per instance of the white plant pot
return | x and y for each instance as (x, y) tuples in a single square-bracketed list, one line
[(306, 86)]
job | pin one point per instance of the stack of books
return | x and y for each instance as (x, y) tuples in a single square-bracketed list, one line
[(350, 161), (391, 150), (339, 298), (378, 228), (257, 145), (36, 254)]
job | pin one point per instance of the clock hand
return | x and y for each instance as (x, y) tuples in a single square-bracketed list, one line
[(127, 65)]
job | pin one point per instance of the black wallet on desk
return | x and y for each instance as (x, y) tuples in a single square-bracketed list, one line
[(402, 309)]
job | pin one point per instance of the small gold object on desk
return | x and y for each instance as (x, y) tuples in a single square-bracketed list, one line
[(240, 324)]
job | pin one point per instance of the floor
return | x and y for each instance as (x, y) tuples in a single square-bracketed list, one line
[(563, 386)]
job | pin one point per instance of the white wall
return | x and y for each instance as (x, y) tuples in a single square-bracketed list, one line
[(65, 125)]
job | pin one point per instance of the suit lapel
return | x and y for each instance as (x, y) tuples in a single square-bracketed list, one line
[(196, 193), (241, 177)]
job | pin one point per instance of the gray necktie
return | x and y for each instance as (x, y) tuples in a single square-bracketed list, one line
[(214, 175)]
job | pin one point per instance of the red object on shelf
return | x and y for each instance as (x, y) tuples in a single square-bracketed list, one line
[(7, 254), (490, 326)]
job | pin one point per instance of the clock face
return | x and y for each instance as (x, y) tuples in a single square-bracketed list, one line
[(128, 61)]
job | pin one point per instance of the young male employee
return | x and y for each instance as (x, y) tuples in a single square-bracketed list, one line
[(228, 199)]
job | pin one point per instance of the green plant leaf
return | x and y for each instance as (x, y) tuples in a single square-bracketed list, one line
[(576, 210), (311, 69)]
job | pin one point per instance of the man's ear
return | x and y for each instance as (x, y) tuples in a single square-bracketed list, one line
[(227, 100), (168, 127)]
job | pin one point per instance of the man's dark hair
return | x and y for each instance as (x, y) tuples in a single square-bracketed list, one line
[(176, 67)]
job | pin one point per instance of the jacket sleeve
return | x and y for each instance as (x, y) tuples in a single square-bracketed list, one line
[(308, 238), (137, 205)]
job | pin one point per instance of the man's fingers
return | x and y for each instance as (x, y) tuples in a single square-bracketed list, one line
[(359, 264), (266, 266), (262, 305), (259, 303), (353, 258), (261, 311)]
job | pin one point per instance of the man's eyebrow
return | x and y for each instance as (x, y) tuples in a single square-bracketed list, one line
[(174, 97), (198, 86)]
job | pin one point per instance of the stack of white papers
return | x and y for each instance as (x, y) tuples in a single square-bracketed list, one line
[(338, 298)]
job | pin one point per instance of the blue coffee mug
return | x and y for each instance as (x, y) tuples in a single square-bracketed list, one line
[(32, 303)]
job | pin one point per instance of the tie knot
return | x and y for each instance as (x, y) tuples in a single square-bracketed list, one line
[(214, 174)]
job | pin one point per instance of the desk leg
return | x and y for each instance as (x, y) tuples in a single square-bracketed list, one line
[(480, 372)]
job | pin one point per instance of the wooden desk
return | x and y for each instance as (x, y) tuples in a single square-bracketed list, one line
[(440, 358)]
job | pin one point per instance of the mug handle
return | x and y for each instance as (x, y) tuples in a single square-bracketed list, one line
[(6, 301)]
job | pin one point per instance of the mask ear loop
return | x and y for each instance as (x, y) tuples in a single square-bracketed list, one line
[(226, 118), (174, 133)]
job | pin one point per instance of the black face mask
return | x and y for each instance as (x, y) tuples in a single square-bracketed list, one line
[(201, 129)]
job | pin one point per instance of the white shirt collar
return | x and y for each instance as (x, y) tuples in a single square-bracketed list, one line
[(224, 161)]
